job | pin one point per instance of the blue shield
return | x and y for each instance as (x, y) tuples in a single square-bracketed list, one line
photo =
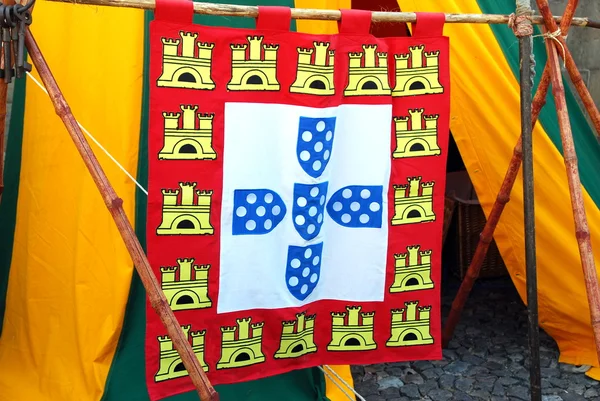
[(256, 211), (309, 208), (315, 141), (303, 269), (357, 206)]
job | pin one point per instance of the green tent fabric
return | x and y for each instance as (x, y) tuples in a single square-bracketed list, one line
[(8, 206)]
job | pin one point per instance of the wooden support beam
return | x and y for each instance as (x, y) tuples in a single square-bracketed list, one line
[(231, 10)]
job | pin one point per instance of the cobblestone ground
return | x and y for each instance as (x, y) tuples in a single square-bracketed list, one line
[(486, 360)]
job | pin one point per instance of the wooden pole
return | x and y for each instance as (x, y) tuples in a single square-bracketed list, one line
[(231, 10), (524, 31), (502, 199), (572, 69), (115, 206), (582, 231)]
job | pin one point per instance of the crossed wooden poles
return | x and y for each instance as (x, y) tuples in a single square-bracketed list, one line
[(529, 113)]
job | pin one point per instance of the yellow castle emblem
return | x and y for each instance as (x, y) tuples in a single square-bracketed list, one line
[(191, 141), (186, 217), (410, 329), (352, 335), (244, 350), (370, 78), (190, 69), (186, 292), (295, 343), (170, 364), (416, 141), (418, 78), (416, 275), (417, 205), (315, 77), (255, 72)]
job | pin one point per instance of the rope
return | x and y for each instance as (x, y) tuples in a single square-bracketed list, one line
[(554, 36), (360, 397), (95, 141), (520, 20), (337, 384)]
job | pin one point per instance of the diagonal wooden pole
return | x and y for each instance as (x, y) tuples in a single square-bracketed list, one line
[(571, 67), (502, 199), (582, 231), (115, 206)]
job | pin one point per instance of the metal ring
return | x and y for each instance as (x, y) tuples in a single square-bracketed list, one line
[(8, 19)]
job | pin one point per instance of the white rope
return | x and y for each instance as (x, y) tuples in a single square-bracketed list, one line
[(95, 141), (337, 384), (554, 36), (360, 397)]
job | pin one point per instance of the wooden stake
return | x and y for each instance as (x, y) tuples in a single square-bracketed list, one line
[(574, 73), (115, 206), (582, 231), (523, 30), (231, 10), (502, 199)]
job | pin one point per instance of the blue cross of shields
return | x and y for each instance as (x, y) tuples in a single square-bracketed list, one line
[(304, 205)]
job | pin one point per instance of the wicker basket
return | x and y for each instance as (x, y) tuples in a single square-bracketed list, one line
[(449, 206), (470, 222)]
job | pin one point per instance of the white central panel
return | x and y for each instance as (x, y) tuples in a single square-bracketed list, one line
[(261, 155)]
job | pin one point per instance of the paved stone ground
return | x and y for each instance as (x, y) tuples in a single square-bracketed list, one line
[(486, 360)]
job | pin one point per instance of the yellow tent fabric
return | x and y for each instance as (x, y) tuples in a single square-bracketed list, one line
[(71, 273), (485, 124)]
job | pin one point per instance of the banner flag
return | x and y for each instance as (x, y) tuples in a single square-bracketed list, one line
[(296, 194)]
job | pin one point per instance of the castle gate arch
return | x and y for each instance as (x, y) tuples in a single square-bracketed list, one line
[(370, 82), (186, 222), (185, 297), (413, 212), (317, 82), (412, 280), (242, 354), (352, 340), (187, 74), (185, 146), (254, 77), (417, 83), (409, 335), (297, 346), (176, 367), (421, 145)]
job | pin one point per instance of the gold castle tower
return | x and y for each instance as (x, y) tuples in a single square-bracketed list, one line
[(353, 335), (418, 78), (244, 350), (414, 276), (189, 70), (417, 206), (370, 79), (170, 364), (186, 217), (416, 141), (188, 142), (255, 72), (315, 77), (185, 292), (295, 343), (410, 330)]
